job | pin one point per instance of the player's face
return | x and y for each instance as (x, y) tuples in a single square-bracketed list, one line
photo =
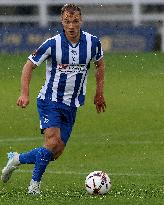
[(71, 24)]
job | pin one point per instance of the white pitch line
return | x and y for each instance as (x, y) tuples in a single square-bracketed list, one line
[(20, 139), (86, 173), (105, 135), (107, 141)]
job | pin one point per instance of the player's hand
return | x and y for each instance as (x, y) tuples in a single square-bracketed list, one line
[(99, 101), (23, 101)]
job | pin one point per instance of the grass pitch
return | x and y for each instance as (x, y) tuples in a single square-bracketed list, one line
[(126, 141)]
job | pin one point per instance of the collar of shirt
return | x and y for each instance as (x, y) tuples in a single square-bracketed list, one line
[(82, 38)]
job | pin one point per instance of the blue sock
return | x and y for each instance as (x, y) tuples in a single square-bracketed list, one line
[(29, 157), (43, 157), (38, 156)]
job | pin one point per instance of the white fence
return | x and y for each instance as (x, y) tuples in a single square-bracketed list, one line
[(134, 14)]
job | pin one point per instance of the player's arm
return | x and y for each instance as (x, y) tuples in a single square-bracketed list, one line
[(23, 100), (99, 100)]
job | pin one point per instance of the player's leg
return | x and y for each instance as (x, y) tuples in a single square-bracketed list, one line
[(55, 137), (55, 145), (50, 126)]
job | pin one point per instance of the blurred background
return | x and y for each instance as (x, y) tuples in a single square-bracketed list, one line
[(122, 25)]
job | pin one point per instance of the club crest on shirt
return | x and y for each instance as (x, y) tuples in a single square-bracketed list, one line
[(74, 52), (72, 68)]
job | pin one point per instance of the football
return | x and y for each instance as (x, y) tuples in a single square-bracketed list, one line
[(97, 182)]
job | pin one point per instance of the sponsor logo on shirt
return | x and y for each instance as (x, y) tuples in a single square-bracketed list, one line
[(72, 68)]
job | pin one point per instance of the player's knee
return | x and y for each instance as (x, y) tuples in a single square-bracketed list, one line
[(54, 143), (52, 137)]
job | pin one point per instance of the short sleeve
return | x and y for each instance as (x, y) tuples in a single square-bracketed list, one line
[(96, 49), (99, 51), (41, 54)]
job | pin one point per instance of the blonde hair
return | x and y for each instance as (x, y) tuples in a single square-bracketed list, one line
[(71, 8)]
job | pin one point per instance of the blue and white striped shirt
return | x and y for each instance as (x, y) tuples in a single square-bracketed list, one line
[(67, 67)]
